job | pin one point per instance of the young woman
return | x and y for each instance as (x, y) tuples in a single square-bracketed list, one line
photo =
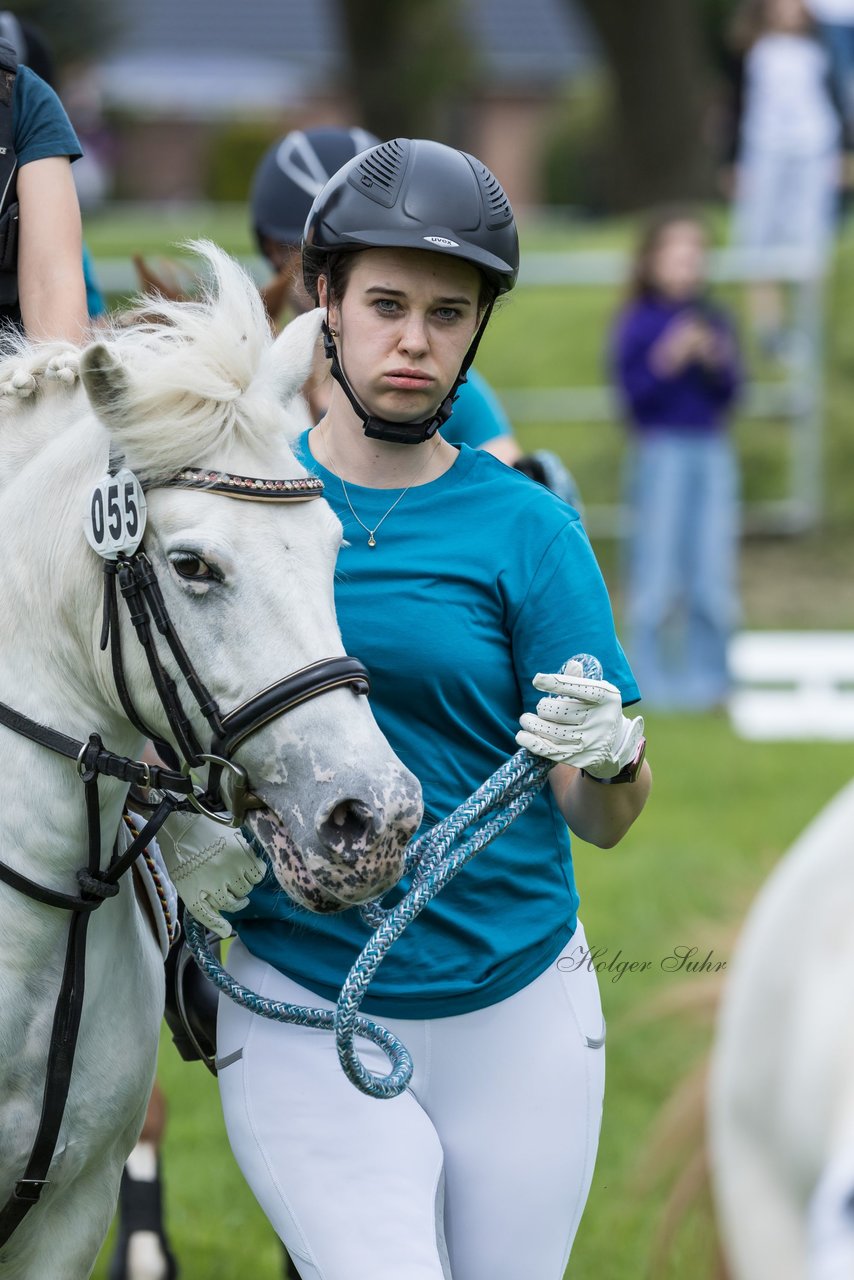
[(459, 580), (676, 366)]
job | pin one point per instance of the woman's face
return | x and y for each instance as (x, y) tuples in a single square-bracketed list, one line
[(787, 15), (404, 325), (678, 262)]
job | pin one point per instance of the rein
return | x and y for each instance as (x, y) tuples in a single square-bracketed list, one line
[(138, 585)]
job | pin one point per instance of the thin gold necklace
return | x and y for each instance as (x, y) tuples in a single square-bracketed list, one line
[(372, 540)]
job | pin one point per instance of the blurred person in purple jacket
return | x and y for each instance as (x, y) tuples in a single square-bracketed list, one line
[(675, 363)]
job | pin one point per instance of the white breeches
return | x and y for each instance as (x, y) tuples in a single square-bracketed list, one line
[(479, 1171)]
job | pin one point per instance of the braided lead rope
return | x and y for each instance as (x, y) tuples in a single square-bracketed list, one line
[(300, 1015), (434, 863), (511, 790), (512, 787), (520, 778)]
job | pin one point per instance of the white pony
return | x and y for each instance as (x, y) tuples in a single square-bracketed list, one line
[(781, 1109), (248, 586)]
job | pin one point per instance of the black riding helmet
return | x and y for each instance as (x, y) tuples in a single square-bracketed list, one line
[(413, 194), (292, 172)]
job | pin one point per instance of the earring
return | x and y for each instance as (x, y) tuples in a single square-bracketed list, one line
[(333, 333)]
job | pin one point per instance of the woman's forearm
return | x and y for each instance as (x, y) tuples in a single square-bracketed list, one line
[(595, 812)]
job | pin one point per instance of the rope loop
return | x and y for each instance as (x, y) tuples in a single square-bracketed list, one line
[(301, 1015), (433, 859)]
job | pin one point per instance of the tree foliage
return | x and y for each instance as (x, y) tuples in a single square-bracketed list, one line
[(410, 67), (411, 70), (661, 74)]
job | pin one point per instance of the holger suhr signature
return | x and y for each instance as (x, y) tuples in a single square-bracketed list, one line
[(682, 959)]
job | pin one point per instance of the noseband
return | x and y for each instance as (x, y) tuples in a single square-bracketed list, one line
[(139, 587)]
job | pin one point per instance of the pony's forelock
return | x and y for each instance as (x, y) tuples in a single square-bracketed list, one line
[(200, 378), (196, 381)]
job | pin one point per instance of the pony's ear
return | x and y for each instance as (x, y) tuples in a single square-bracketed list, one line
[(107, 383), (291, 356)]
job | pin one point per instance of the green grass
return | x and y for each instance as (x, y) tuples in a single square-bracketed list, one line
[(123, 230), (721, 814)]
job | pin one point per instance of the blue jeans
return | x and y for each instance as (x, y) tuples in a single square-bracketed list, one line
[(681, 564)]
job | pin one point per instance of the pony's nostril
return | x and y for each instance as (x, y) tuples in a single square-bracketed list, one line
[(348, 831)]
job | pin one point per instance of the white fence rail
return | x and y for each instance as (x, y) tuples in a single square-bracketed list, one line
[(793, 686), (796, 400)]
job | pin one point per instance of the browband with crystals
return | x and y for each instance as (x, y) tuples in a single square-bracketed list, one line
[(251, 488)]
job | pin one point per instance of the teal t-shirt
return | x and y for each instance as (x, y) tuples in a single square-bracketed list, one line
[(42, 128), (479, 580), (478, 415)]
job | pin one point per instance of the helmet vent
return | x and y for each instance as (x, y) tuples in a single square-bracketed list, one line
[(379, 172), (498, 211)]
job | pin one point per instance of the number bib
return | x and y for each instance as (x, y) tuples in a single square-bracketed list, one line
[(115, 520)]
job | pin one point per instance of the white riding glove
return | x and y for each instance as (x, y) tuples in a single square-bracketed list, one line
[(583, 725), (211, 866)]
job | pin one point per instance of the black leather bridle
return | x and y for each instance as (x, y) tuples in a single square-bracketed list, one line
[(140, 589), (172, 782)]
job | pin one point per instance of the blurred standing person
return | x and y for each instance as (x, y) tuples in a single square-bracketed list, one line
[(789, 153), (41, 278), (676, 366)]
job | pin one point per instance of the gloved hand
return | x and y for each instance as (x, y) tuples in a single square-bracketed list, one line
[(582, 725), (211, 866)]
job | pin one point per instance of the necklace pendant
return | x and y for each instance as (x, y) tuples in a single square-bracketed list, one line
[(372, 542)]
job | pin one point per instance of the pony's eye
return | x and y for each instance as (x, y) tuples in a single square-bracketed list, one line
[(192, 567)]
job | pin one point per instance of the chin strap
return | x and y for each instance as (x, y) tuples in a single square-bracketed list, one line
[(401, 432)]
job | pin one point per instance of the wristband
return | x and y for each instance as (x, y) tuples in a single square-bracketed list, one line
[(628, 773)]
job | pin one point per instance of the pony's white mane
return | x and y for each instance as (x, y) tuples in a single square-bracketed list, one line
[(197, 374), (198, 377)]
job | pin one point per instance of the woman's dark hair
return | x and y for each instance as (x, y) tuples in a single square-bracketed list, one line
[(335, 266), (653, 230)]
